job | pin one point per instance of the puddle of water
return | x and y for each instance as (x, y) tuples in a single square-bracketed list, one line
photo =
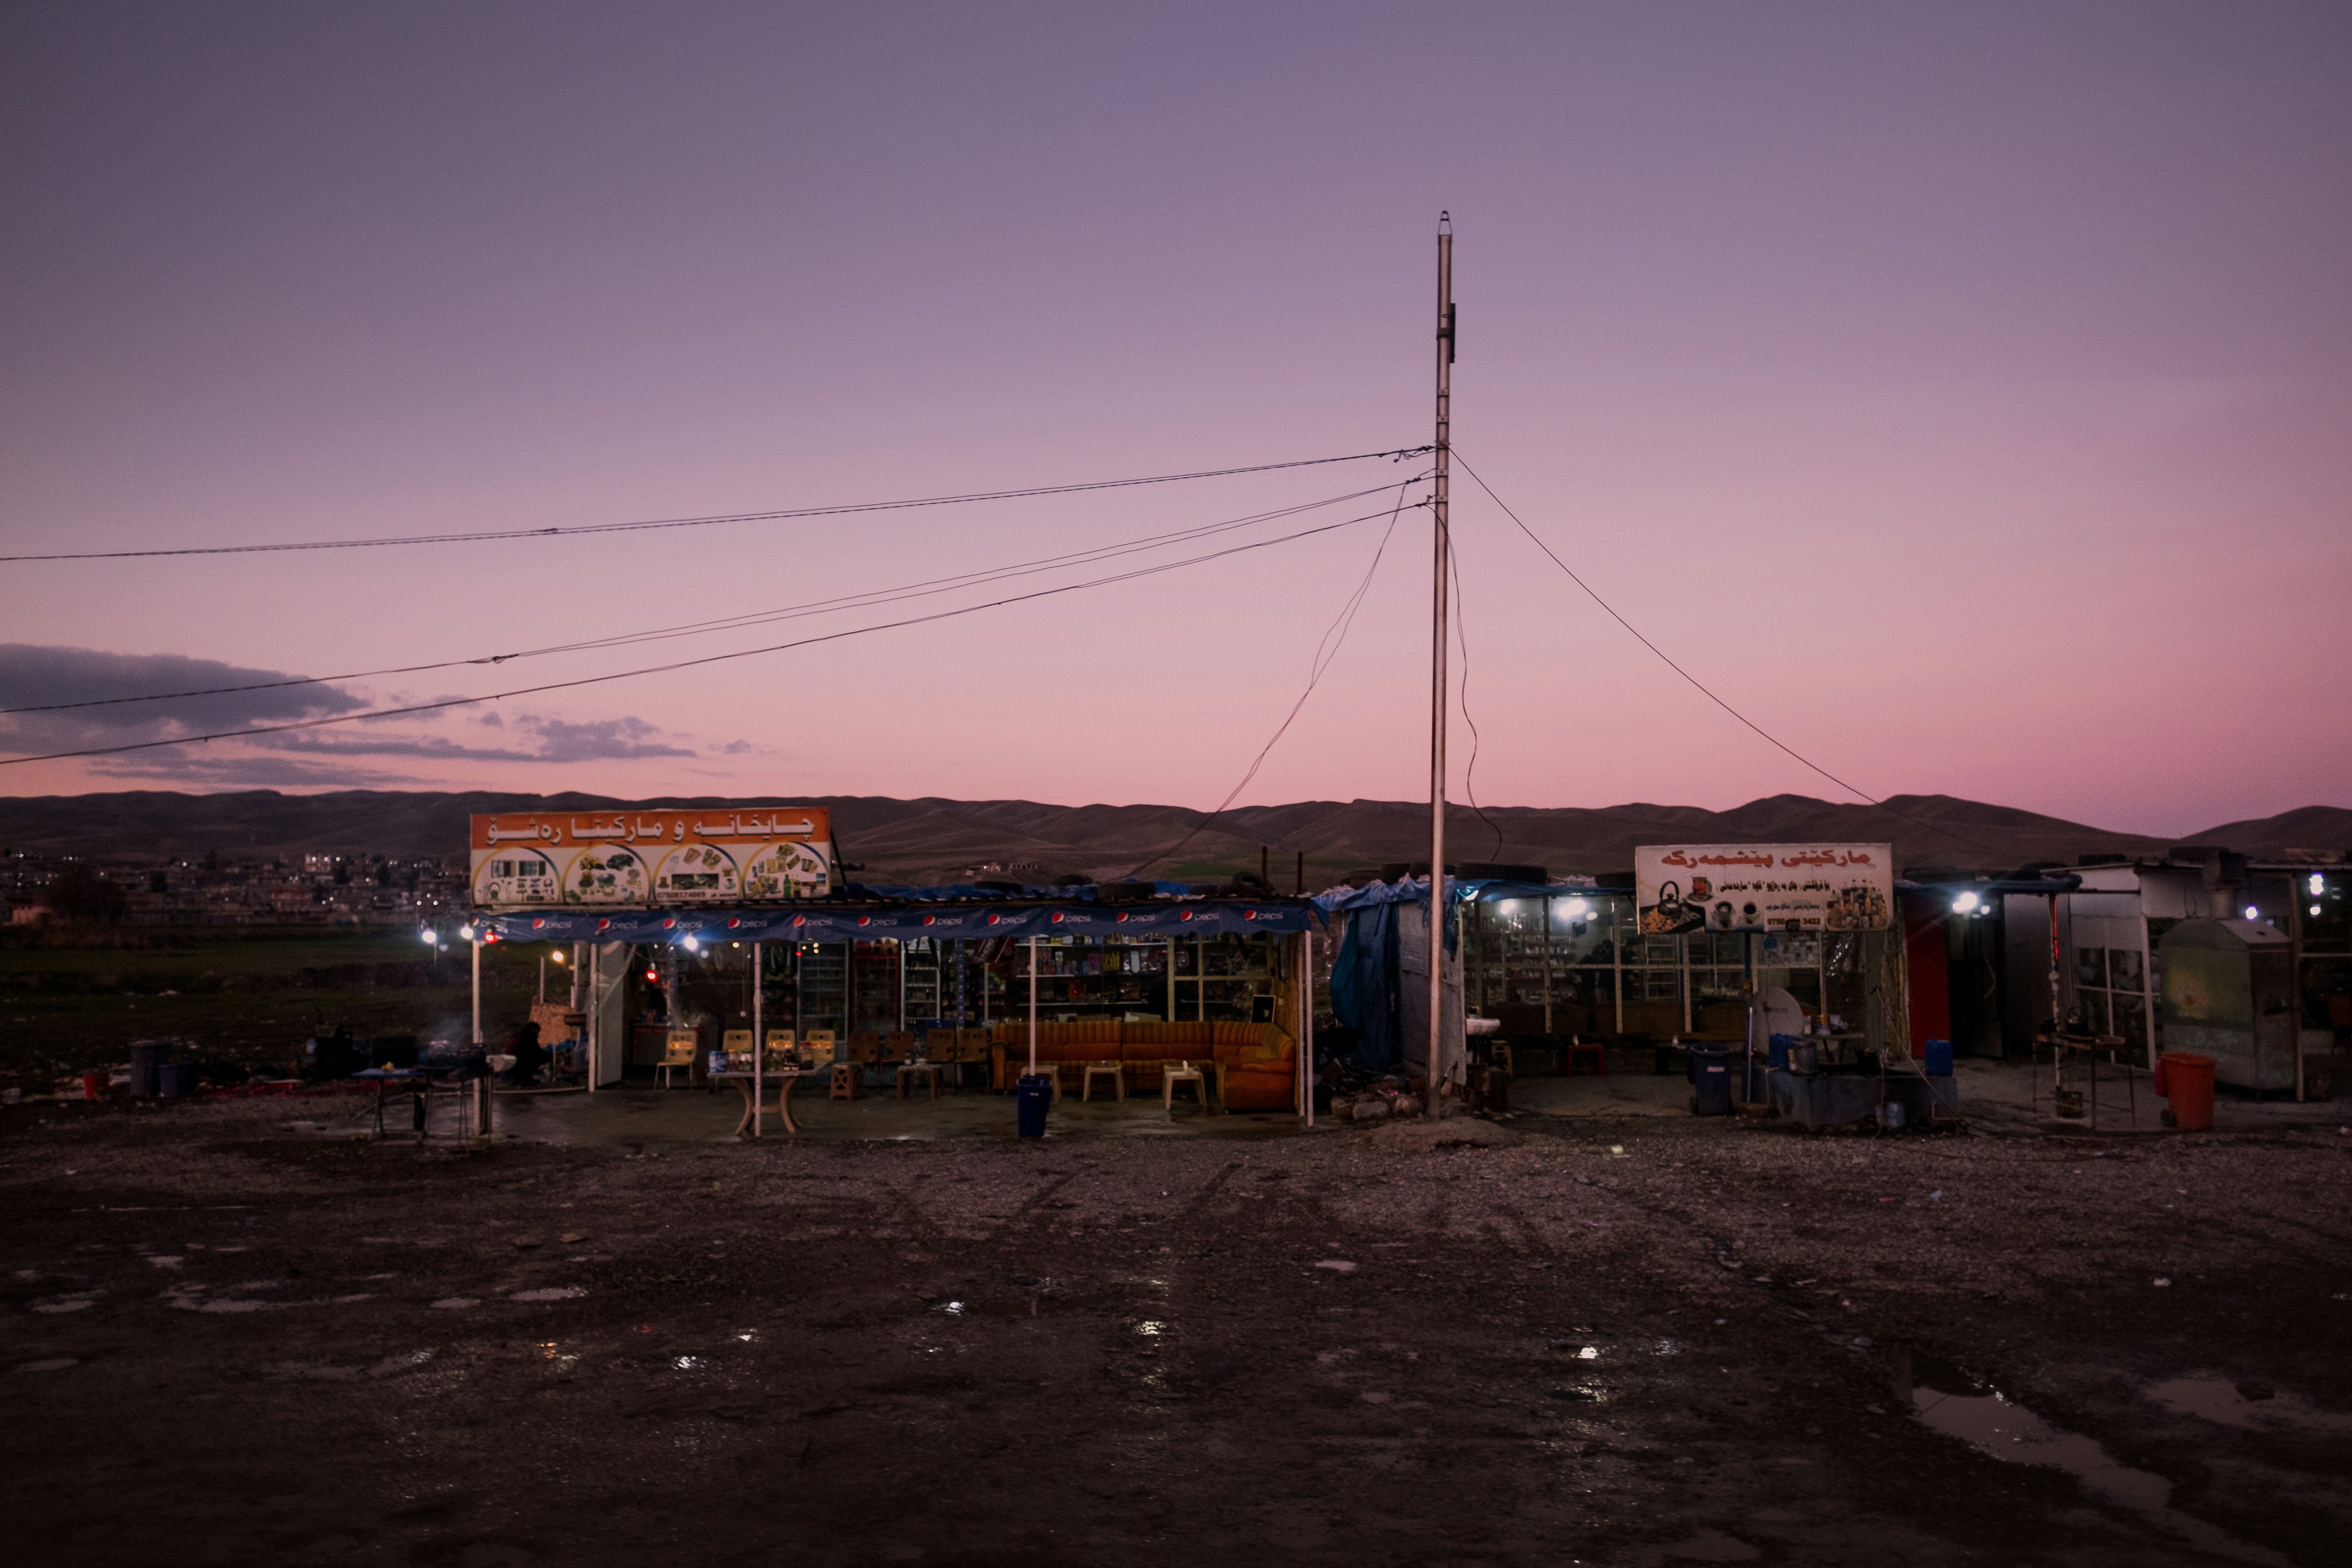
[(1968, 1408), (457, 1303), (2248, 1405), (551, 1293), (1338, 1265)]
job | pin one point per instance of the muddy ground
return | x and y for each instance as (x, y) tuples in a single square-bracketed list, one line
[(230, 1343)]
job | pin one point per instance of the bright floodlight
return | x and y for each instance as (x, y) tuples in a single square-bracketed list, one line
[(2318, 884), (1966, 904), (692, 945), (2252, 914), (557, 955), (432, 938), (466, 933), (2314, 911)]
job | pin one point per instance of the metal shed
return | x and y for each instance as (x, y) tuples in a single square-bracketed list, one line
[(2229, 994)]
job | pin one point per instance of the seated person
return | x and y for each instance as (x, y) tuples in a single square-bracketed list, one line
[(530, 1055)]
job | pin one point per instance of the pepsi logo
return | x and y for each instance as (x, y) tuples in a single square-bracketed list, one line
[(931, 920), (994, 919), (536, 924), (1057, 917), (1185, 916), (603, 925), (1120, 917), (865, 920)]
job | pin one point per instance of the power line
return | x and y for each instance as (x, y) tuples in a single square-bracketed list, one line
[(845, 510), (685, 663), (1697, 684), (866, 600), (1315, 667)]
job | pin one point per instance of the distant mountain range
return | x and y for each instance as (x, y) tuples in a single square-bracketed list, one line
[(933, 839)]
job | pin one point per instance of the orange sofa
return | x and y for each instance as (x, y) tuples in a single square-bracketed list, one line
[(1256, 1064)]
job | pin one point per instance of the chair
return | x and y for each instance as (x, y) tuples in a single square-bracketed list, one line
[(779, 1052), (737, 1044), (1499, 1053), (821, 1047), (1181, 1072), (1592, 1049), (678, 1051), (1098, 1069), (865, 1045), (897, 1046)]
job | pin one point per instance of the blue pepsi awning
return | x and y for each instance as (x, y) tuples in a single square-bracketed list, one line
[(829, 921)]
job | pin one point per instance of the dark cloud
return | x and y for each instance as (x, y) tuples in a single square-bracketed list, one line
[(33, 676), (559, 742), (347, 755)]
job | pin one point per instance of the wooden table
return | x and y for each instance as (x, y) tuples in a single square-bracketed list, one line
[(786, 1079)]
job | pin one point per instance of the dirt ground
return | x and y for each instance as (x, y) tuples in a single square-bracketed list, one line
[(231, 1339)]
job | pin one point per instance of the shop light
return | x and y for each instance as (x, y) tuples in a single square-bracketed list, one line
[(2318, 884), (691, 945), (432, 938), (2252, 914), (466, 933), (1966, 904), (2314, 911), (558, 956), (1574, 909)]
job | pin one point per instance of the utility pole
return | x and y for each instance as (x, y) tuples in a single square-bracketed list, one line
[(1437, 663)]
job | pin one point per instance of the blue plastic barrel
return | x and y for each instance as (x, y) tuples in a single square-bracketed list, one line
[(1776, 1051), (1939, 1059), (1032, 1094), (1710, 1069)]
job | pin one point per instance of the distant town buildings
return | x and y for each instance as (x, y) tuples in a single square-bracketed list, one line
[(323, 887)]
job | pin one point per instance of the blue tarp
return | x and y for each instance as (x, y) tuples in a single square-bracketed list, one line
[(1363, 986), (849, 920)]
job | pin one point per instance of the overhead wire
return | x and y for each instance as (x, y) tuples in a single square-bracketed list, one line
[(1697, 684), (448, 702), (1315, 667), (920, 589), (787, 514)]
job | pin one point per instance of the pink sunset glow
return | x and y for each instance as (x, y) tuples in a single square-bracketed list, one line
[(1960, 393)]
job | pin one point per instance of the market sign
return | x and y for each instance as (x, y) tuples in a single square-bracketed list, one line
[(1680, 887), (651, 859)]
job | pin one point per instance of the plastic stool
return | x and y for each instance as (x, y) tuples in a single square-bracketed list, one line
[(1095, 1070), (1592, 1049), (1182, 1072)]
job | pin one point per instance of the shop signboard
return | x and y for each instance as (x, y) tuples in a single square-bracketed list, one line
[(652, 859), (1680, 887)]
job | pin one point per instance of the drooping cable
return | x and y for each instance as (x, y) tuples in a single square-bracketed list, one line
[(867, 600), (1697, 684), (848, 509), (687, 663), (1334, 635), (1462, 641)]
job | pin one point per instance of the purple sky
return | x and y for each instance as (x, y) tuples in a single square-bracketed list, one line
[(1962, 392)]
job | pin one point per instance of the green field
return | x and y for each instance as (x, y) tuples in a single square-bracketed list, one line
[(71, 1000)]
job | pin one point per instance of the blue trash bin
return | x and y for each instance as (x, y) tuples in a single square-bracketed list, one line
[(1939, 1059), (176, 1080), (147, 1060), (1776, 1051), (1710, 1070), (1033, 1094)]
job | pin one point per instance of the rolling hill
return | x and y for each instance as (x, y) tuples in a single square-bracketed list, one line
[(932, 838)]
